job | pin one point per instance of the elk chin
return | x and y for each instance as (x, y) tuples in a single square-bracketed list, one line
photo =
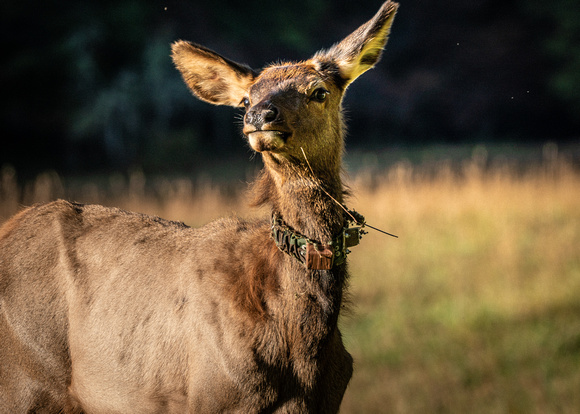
[(273, 141)]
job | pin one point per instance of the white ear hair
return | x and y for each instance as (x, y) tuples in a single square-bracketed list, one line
[(362, 49)]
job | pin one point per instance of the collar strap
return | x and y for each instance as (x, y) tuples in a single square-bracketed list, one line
[(315, 255)]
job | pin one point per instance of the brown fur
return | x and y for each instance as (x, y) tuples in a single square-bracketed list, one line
[(108, 311)]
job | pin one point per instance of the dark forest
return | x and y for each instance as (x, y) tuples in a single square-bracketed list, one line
[(89, 86)]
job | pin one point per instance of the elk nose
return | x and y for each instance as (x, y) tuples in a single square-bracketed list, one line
[(262, 114)]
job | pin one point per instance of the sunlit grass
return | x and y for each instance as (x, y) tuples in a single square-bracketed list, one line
[(475, 308)]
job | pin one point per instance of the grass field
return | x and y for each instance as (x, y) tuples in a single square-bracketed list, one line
[(475, 308)]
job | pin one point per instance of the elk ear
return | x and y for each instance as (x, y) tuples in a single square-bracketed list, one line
[(361, 50), (211, 77)]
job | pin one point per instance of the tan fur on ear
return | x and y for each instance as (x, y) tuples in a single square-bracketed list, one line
[(210, 76), (362, 49)]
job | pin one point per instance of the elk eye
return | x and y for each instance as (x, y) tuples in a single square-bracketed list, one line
[(319, 95)]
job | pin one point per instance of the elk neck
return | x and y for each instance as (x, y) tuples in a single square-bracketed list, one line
[(295, 194), (302, 194)]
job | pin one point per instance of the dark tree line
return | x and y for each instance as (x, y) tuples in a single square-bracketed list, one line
[(90, 86)]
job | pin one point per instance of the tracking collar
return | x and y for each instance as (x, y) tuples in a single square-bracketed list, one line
[(313, 254)]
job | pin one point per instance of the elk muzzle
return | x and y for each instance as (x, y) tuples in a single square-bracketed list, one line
[(265, 128)]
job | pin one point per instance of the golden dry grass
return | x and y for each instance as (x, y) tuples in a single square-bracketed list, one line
[(474, 309)]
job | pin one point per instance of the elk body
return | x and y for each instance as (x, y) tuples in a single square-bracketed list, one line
[(107, 311)]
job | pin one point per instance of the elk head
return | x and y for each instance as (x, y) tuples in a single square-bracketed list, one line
[(289, 106)]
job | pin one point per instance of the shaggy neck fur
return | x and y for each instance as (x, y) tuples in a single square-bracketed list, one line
[(302, 192)]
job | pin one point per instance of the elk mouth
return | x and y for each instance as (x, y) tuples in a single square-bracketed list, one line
[(273, 141)]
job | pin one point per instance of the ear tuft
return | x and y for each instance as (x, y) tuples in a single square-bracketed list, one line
[(362, 49), (210, 76)]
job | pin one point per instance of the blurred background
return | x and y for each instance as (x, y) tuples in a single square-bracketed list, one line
[(464, 141), (89, 86)]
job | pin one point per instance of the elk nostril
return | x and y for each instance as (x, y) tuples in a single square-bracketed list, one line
[(270, 114), (250, 117)]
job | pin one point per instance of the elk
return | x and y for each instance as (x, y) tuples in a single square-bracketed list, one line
[(108, 311)]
